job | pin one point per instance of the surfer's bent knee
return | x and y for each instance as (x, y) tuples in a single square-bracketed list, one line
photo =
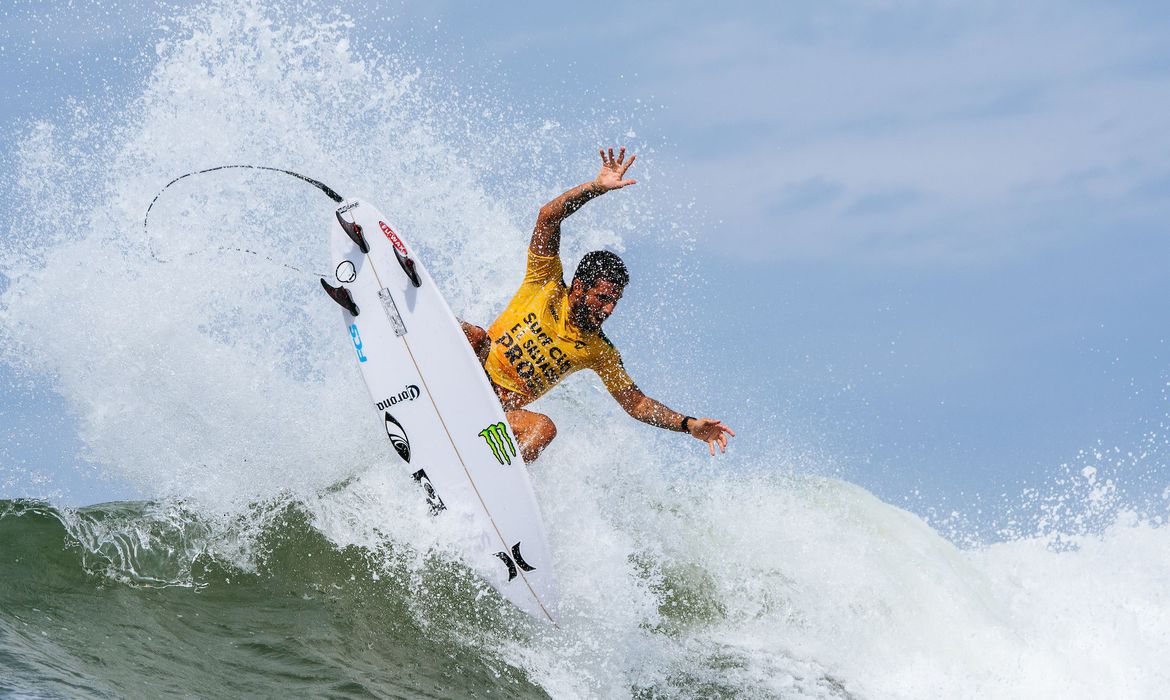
[(546, 426), (545, 431), (534, 431)]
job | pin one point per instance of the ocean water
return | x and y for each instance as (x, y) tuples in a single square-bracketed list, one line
[(278, 552)]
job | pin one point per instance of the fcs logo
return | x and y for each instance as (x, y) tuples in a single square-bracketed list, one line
[(397, 435), (500, 441), (357, 342), (513, 561), (393, 237)]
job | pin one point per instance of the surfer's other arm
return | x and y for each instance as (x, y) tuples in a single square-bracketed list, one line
[(546, 237), (652, 412)]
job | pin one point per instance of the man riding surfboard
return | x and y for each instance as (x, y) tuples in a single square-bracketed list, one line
[(550, 330)]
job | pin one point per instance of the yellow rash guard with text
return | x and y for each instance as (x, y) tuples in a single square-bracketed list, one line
[(533, 344)]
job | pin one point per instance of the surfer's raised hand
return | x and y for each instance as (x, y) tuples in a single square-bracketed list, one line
[(546, 236), (613, 170), (710, 431)]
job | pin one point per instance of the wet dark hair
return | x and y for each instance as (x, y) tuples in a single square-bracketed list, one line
[(601, 265)]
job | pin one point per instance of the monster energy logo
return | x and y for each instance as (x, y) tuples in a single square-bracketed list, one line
[(498, 439)]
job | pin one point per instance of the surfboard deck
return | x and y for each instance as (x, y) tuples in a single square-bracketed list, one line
[(443, 421)]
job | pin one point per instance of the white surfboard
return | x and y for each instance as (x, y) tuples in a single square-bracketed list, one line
[(444, 423)]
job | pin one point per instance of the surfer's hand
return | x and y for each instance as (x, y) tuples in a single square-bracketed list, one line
[(613, 170), (710, 431)]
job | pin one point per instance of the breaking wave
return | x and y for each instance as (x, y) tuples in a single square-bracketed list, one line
[(276, 541)]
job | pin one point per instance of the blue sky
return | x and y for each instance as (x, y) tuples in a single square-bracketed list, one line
[(933, 234)]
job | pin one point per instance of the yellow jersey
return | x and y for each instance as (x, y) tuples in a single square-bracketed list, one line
[(534, 345)]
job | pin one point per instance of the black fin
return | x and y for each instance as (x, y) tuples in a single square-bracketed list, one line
[(342, 296), (354, 231), (407, 264), (507, 562), (519, 559)]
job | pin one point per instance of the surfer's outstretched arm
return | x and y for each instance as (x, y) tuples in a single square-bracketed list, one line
[(651, 412), (546, 237)]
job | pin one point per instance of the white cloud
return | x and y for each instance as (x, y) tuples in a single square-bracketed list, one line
[(958, 133)]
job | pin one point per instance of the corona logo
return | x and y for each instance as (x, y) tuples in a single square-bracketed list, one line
[(410, 393)]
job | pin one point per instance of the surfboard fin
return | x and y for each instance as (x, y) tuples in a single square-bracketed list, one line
[(342, 296), (508, 563), (519, 559), (354, 230), (408, 267)]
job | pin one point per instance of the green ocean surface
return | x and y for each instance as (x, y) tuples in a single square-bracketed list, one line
[(112, 601)]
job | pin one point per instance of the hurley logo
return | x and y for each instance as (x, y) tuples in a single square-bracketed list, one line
[(513, 561)]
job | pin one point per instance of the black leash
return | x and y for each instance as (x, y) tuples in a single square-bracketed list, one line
[(329, 192)]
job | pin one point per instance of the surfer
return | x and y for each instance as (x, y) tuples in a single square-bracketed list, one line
[(550, 330)]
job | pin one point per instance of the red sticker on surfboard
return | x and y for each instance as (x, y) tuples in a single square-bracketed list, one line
[(398, 245)]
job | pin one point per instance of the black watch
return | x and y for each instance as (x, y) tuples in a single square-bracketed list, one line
[(686, 423)]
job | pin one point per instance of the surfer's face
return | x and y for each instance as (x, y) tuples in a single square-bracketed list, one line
[(590, 306)]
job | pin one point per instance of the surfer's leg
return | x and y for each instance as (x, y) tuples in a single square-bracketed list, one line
[(534, 431), (478, 337)]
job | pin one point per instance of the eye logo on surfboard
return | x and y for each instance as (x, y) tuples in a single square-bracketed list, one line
[(397, 435), (393, 237)]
